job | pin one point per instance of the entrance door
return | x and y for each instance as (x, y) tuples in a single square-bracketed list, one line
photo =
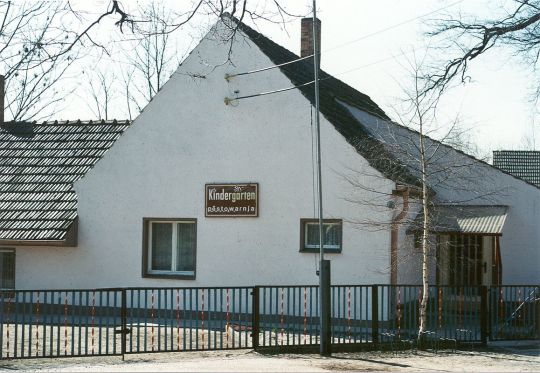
[(465, 260)]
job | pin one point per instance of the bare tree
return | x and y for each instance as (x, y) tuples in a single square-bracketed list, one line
[(153, 58), (272, 11), (518, 29), (421, 155), (438, 172), (529, 140), (39, 42), (421, 110), (32, 39), (127, 89), (102, 91), (461, 138)]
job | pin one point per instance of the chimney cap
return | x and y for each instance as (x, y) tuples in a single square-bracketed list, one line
[(310, 19)]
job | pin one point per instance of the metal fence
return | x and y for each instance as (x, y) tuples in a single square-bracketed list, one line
[(53, 323), (187, 319), (288, 316), (454, 313), (56, 323), (365, 316), (515, 312)]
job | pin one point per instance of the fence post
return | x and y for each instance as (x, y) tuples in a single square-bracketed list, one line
[(325, 299), (255, 318), (375, 315), (484, 314), (123, 316)]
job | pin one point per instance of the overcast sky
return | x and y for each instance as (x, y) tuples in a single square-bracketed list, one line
[(375, 39)]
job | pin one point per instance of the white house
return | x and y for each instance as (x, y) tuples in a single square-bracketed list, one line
[(205, 189)]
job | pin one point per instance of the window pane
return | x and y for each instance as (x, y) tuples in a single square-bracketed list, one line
[(7, 269), (185, 254), (161, 246), (332, 237), (312, 234)]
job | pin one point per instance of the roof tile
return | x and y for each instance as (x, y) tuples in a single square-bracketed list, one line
[(39, 162), (524, 164)]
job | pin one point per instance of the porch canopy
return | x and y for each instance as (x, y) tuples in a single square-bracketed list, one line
[(463, 219)]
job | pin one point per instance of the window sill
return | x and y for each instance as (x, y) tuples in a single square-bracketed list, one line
[(174, 276), (316, 251)]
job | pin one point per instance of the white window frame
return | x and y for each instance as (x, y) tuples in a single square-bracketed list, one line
[(174, 255), (306, 247)]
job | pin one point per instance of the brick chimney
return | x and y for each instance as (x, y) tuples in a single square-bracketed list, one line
[(1, 99), (306, 36)]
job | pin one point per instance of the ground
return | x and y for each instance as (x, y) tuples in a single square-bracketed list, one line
[(501, 357)]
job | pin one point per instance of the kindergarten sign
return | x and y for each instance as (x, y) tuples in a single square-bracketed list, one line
[(232, 200)]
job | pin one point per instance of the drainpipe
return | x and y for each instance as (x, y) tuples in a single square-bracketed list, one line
[(396, 221)]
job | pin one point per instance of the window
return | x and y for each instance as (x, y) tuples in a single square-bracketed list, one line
[(7, 268), (309, 235), (169, 247)]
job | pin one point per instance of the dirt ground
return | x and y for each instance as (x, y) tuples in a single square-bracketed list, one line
[(502, 357)]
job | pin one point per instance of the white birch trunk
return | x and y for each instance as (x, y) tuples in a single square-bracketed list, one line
[(425, 232)]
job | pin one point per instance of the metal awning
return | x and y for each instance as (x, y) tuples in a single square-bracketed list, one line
[(465, 219)]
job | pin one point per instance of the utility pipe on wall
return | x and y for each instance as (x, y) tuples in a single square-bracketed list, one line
[(394, 233)]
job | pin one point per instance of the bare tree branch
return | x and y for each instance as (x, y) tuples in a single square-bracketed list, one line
[(519, 30)]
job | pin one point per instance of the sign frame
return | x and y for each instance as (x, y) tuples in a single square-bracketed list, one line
[(208, 186)]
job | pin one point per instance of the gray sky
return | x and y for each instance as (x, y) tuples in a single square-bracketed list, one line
[(375, 39)]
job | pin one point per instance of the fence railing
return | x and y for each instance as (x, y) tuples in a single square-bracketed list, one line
[(56, 323), (515, 312), (454, 313), (286, 316), (187, 319)]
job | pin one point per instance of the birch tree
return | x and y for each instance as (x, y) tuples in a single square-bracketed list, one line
[(422, 107), (437, 172)]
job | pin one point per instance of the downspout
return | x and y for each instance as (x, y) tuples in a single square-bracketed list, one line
[(498, 260), (396, 221)]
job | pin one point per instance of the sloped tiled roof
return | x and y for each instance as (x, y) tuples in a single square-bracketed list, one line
[(331, 90), (524, 164), (38, 164)]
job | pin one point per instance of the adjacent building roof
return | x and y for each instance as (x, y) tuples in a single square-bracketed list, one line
[(39, 163), (486, 220), (524, 164)]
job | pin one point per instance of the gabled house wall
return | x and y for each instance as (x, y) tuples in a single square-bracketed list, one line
[(187, 137)]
